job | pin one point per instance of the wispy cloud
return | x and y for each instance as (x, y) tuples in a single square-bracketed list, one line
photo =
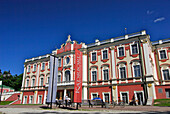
[(159, 19), (149, 12)]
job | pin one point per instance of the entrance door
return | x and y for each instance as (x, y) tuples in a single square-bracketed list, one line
[(139, 98)]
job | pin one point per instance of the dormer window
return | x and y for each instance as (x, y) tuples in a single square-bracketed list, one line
[(163, 54), (121, 51), (134, 49), (105, 56), (94, 56)]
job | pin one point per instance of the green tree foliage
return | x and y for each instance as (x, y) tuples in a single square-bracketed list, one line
[(12, 81)]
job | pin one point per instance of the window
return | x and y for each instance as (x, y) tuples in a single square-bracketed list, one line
[(40, 99), (59, 62), (137, 71), (48, 79), (34, 69), (25, 100), (41, 81), (29, 67), (59, 78), (49, 65), (67, 60), (162, 54), (94, 95), (106, 97), (106, 74), (94, 76), (43, 66), (27, 82), (67, 76), (105, 54), (31, 100), (122, 72), (134, 49), (166, 74), (121, 51), (33, 82), (125, 97), (4, 91), (94, 56), (167, 91)]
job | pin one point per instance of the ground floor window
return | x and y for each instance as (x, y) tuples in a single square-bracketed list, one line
[(106, 97), (31, 100), (124, 97), (167, 93), (25, 99), (139, 98), (39, 99)]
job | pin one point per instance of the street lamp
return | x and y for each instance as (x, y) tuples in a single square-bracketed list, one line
[(4, 75)]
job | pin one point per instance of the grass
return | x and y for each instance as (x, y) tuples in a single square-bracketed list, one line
[(162, 102), (5, 102)]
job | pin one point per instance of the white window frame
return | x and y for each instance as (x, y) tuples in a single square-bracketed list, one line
[(127, 95), (42, 66), (125, 71), (103, 93), (39, 99), (66, 60), (48, 78), (164, 68), (27, 84), (105, 68), (132, 48), (31, 102), (94, 69), (92, 95), (165, 54), (32, 81), (58, 78), (42, 76), (107, 54), (59, 62), (92, 56), (134, 64), (136, 95), (25, 99), (118, 50), (29, 68), (34, 67)]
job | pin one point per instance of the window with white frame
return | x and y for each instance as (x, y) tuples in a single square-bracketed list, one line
[(43, 66), (30, 99), (166, 74), (48, 79), (33, 82), (93, 56), (106, 74), (29, 68), (124, 97), (105, 54), (167, 91), (67, 75), (34, 69), (134, 48), (122, 71), (39, 99), (67, 60), (59, 78), (94, 75), (41, 81), (106, 97), (121, 51), (137, 70), (59, 62), (27, 82), (163, 54), (25, 100), (94, 95)]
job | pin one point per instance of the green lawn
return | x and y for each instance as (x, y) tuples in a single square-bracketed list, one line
[(162, 102), (5, 102)]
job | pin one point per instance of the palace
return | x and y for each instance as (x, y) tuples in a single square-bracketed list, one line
[(121, 68)]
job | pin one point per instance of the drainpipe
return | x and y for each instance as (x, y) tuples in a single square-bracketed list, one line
[(142, 69)]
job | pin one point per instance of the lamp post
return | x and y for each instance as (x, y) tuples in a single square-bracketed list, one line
[(4, 75)]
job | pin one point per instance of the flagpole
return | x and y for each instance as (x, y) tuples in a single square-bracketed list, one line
[(52, 81)]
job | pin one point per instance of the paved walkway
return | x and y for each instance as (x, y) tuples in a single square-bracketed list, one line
[(40, 109)]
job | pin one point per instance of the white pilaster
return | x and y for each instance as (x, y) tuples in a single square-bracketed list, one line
[(84, 67), (24, 75), (37, 74), (45, 94)]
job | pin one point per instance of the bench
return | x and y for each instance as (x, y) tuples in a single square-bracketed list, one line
[(97, 102), (87, 103), (63, 102)]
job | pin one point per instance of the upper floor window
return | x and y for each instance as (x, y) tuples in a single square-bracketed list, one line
[(59, 62), (121, 51), (166, 74), (94, 56), (137, 71), (94, 75), (59, 78), (67, 76), (29, 67), (33, 82), (49, 65), (34, 69), (134, 49), (162, 54), (67, 60), (105, 56), (27, 82), (106, 74), (43, 66), (48, 79), (41, 81), (122, 72)]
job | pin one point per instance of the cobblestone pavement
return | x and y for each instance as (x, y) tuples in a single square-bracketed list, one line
[(40, 109)]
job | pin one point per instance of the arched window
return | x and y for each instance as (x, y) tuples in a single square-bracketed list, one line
[(105, 71), (27, 82), (67, 75), (41, 80), (122, 71), (33, 82)]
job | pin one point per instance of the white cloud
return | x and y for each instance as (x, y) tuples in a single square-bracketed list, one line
[(149, 12), (159, 19)]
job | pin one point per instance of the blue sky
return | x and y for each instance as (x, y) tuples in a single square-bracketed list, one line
[(30, 28)]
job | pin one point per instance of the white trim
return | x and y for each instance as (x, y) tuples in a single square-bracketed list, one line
[(31, 102), (34, 67), (104, 96), (131, 44), (32, 81), (92, 53), (133, 70), (123, 65), (127, 95), (29, 68), (25, 100), (165, 53), (118, 50), (164, 68), (135, 92), (93, 69), (105, 68), (42, 66), (39, 99), (94, 93), (107, 53)]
